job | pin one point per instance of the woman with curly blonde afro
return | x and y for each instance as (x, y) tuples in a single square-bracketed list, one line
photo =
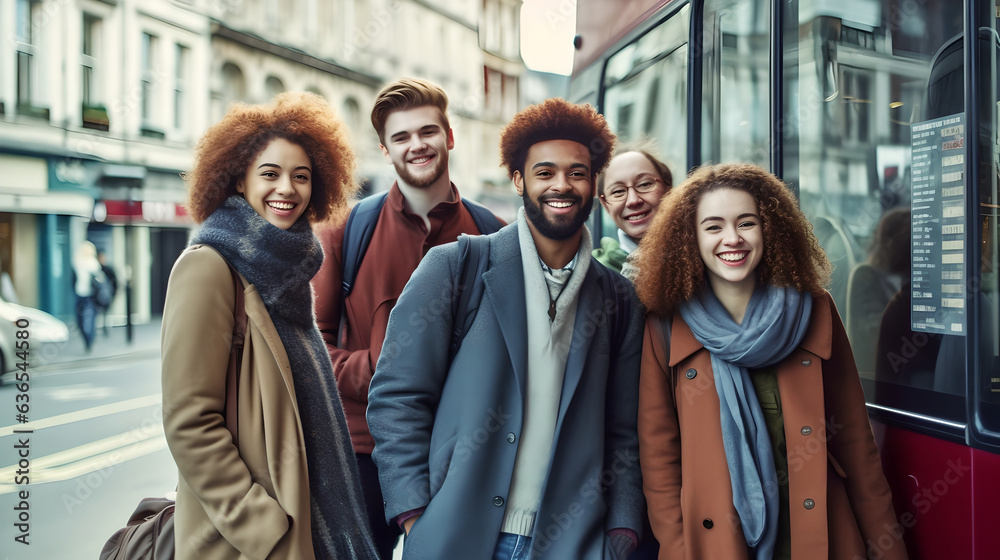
[(265, 465), (754, 438)]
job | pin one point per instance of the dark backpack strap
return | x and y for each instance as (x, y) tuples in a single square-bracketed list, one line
[(235, 356), (474, 252), (661, 326), (666, 323), (358, 235), (486, 221), (619, 288)]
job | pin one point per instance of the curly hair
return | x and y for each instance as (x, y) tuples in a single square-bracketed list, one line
[(556, 119), (407, 93), (671, 270), (229, 147)]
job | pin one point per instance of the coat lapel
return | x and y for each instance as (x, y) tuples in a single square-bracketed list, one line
[(259, 316), (504, 286), (589, 305)]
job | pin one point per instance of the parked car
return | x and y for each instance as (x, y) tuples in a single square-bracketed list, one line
[(46, 335)]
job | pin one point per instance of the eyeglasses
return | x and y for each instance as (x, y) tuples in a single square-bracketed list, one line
[(619, 192)]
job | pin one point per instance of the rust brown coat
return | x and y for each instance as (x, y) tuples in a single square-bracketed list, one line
[(251, 502), (840, 502)]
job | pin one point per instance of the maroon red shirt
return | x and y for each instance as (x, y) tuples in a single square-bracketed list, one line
[(399, 242)]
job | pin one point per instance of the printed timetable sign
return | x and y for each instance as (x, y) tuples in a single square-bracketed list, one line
[(938, 221)]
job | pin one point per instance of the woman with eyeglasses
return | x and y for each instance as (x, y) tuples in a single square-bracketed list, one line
[(630, 190)]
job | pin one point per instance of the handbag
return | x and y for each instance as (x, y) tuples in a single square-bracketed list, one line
[(149, 533)]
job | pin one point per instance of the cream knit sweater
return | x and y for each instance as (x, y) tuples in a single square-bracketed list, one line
[(548, 349)]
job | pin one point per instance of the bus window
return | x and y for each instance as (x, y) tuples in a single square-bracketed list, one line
[(988, 380), (869, 74), (645, 92), (735, 97)]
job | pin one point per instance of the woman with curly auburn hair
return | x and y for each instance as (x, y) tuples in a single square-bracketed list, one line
[(769, 398), (277, 479)]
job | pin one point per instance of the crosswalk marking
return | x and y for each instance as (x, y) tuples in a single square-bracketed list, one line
[(90, 457), (85, 414)]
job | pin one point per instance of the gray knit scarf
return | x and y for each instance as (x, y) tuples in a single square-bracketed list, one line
[(280, 264), (775, 322)]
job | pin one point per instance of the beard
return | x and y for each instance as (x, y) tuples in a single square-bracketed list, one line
[(435, 173), (558, 227)]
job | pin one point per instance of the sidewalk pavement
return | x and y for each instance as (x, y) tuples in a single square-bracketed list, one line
[(109, 343)]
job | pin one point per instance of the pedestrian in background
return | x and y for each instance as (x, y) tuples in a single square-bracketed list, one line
[(288, 488), (87, 275), (758, 387), (107, 294), (630, 190)]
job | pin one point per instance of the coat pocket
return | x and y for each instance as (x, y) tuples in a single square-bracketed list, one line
[(440, 462)]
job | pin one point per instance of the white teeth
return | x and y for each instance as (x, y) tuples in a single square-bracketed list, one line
[(281, 205), (732, 257), (637, 217), (559, 204), (420, 160)]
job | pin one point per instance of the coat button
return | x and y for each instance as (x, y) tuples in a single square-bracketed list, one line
[(510, 437), (690, 373), (708, 523), (806, 362), (809, 503), (497, 501), (806, 430)]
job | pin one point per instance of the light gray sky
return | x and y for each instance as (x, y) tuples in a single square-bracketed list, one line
[(547, 29)]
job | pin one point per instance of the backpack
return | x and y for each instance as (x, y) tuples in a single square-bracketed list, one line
[(361, 225), (149, 532), (102, 291)]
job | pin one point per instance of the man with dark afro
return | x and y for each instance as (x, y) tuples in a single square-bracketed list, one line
[(522, 442)]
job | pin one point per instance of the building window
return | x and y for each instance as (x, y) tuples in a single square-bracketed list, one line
[(233, 88), (148, 85), (273, 86), (91, 27), (490, 32), (94, 113), (181, 63), (493, 92), (27, 71)]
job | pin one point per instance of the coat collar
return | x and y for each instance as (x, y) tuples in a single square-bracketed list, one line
[(818, 339), (504, 286)]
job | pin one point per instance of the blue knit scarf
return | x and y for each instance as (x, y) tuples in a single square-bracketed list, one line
[(774, 324), (280, 264)]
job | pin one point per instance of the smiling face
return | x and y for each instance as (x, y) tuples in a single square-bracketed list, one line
[(730, 238), (417, 143), (557, 187), (278, 184), (633, 214)]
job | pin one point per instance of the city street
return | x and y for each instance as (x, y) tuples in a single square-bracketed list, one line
[(95, 449)]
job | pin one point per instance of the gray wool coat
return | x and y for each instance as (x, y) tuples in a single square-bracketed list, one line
[(446, 434)]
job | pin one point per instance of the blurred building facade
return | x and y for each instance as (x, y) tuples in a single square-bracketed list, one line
[(102, 102)]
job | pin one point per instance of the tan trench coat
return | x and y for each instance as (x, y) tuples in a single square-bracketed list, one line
[(247, 503), (840, 502)]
